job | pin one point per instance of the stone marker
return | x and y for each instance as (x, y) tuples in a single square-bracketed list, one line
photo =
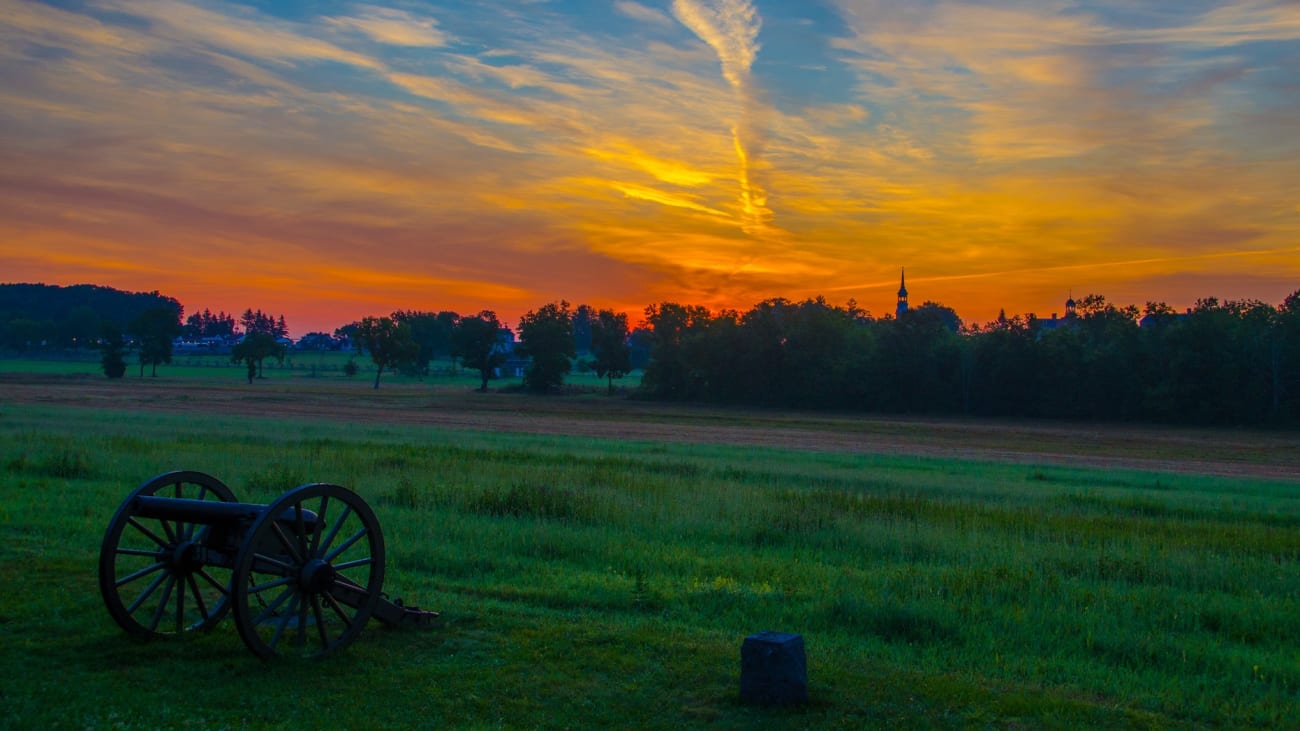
[(773, 669)]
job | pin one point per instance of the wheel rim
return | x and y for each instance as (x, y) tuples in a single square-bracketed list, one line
[(309, 573), (149, 576)]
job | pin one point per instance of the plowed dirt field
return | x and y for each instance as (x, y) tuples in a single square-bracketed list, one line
[(1274, 454)]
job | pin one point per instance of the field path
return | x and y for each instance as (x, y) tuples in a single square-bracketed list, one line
[(1225, 452)]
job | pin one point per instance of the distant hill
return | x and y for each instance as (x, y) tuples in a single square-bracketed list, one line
[(43, 316)]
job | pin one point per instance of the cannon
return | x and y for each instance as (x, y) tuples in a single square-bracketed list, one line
[(302, 575)]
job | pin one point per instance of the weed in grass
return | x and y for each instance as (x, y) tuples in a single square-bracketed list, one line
[(891, 621), (64, 463), (274, 479), (521, 500), (405, 495)]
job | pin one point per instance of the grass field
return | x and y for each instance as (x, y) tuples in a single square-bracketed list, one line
[(592, 582), (325, 366)]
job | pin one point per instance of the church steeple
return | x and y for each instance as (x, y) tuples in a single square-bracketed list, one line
[(902, 293), (1069, 306)]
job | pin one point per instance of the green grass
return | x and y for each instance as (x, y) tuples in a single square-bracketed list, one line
[(323, 365), (601, 583)]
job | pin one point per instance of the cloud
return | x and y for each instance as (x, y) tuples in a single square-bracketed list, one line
[(642, 13), (257, 37), (394, 27), (644, 193), (730, 28)]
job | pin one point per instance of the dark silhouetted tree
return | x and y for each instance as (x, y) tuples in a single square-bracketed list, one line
[(584, 317), (431, 333), (546, 336), (388, 342), (207, 325), (155, 329), (676, 331), (477, 342), (255, 348), (611, 354), (113, 359)]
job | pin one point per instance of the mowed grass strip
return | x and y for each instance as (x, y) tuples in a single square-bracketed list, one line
[(590, 582)]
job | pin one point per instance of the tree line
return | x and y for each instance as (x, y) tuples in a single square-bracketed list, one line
[(550, 339), (1217, 363), (1234, 362)]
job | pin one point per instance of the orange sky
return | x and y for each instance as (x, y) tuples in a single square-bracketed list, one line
[(354, 159)]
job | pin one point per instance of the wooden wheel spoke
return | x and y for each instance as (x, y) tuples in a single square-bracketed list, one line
[(259, 588), (284, 620), (198, 597), (170, 531), (138, 574), (217, 584), (153, 586), (338, 525), (334, 604), (260, 560), (284, 541), (352, 564), (347, 544), (320, 525), (320, 621), (152, 553), (162, 604), (270, 609), (148, 533)]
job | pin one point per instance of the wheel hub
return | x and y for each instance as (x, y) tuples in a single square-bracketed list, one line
[(317, 576)]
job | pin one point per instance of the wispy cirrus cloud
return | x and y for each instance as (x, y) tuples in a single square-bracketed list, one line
[(393, 27), (235, 31), (642, 13)]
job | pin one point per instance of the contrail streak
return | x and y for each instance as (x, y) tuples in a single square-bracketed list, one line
[(730, 27)]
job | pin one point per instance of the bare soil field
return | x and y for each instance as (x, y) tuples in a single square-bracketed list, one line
[(1225, 452)]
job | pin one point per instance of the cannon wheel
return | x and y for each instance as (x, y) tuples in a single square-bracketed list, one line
[(150, 586), (309, 574)]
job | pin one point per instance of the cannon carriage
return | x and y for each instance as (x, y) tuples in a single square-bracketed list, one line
[(301, 575)]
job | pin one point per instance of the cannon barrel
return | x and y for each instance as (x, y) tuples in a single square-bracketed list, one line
[(207, 512)]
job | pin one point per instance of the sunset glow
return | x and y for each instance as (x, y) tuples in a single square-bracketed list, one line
[(331, 161)]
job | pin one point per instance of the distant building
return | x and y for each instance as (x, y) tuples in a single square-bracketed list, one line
[(1056, 322), (902, 293)]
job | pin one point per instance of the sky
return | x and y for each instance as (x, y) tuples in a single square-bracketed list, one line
[(334, 160)]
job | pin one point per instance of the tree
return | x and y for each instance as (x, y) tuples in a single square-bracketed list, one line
[(80, 327), (431, 333), (347, 335), (546, 336), (253, 349), (477, 342), (675, 329), (1285, 360), (609, 346), (263, 322), (583, 321), (114, 348), (389, 343), (36, 316), (207, 325), (155, 329)]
